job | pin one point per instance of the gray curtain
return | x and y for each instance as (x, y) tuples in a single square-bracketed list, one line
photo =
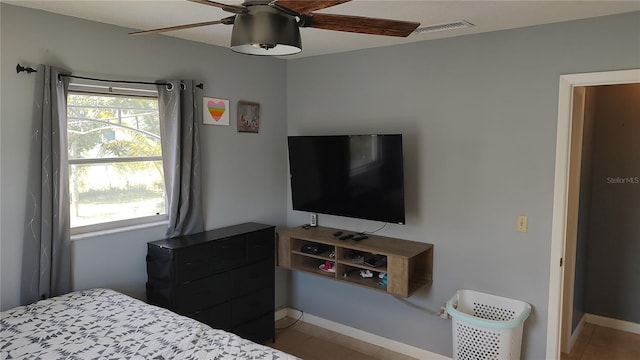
[(180, 115), (46, 263)]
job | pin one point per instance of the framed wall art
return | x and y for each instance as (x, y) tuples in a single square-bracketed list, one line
[(215, 111), (248, 116)]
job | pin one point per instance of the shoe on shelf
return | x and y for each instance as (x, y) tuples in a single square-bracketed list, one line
[(366, 273), (328, 266)]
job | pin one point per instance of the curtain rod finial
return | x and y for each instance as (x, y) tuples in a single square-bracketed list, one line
[(20, 68)]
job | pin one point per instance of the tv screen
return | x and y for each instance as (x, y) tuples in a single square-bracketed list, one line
[(358, 176)]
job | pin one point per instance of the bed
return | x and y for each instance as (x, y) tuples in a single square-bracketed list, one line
[(105, 324)]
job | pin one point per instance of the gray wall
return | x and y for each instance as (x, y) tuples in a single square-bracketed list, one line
[(613, 271), (479, 115), (243, 174)]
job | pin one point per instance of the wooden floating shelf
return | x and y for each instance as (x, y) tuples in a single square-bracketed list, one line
[(409, 264)]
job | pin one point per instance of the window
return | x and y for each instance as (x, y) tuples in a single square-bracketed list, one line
[(115, 158)]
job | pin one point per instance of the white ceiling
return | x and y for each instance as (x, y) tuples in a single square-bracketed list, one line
[(486, 15)]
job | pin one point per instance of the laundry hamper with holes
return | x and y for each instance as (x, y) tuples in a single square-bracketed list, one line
[(486, 327)]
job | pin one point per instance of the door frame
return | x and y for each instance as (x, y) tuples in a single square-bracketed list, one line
[(573, 208), (561, 192)]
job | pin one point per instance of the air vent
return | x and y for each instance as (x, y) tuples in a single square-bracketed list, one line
[(442, 27)]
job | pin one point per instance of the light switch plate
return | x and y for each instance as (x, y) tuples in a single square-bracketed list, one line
[(522, 223)]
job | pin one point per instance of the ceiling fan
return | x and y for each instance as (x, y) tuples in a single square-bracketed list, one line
[(272, 27)]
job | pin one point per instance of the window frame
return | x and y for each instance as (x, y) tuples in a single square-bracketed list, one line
[(95, 88)]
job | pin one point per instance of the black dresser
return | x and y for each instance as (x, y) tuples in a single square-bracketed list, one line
[(222, 277)]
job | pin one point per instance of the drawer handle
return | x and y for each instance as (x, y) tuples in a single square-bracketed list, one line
[(196, 263)]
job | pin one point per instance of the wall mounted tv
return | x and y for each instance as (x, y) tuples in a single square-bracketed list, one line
[(358, 176)]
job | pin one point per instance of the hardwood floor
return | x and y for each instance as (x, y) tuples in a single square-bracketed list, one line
[(601, 343), (311, 342)]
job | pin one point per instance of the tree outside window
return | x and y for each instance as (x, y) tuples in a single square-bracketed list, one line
[(115, 158)]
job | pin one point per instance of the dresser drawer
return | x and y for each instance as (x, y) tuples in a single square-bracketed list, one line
[(159, 294), (193, 263), (251, 306), (229, 253), (194, 254), (202, 294), (258, 330), (198, 262), (159, 269), (252, 277), (159, 263), (260, 245), (218, 317)]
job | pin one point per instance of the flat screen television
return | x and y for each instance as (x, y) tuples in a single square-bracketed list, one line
[(357, 176)]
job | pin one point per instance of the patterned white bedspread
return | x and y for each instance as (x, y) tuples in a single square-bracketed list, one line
[(104, 324)]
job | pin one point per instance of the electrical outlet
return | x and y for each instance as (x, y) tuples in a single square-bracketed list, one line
[(522, 223)]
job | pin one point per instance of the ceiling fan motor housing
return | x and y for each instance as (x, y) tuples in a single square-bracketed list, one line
[(264, 30)]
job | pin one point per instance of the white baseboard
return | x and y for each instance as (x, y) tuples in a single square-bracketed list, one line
[(392, 345), (281, 314), (613, 323)]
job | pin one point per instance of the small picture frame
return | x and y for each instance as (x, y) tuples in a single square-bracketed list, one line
[(215, 111), (248, 116)]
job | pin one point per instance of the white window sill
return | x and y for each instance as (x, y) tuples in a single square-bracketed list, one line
[(93, 234)]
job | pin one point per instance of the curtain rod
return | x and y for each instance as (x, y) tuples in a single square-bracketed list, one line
[(201, 85), (29, 70)]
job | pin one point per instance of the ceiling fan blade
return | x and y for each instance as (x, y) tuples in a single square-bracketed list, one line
[(226, 21), (236, 9), (307, 6), (359, 24)]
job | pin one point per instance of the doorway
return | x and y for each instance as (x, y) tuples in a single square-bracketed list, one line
[(565, 195)]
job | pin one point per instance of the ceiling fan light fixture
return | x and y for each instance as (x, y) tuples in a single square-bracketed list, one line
[(265, 31)]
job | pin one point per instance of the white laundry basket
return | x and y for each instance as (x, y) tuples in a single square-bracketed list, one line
[(486, 327)]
